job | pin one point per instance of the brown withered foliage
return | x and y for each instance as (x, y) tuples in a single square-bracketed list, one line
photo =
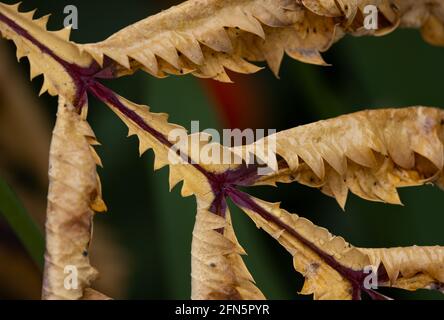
[(370, 153)]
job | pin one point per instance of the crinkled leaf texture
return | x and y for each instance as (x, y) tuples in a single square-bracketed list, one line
[(206, 37), (74, 194), (370, 153), (334, 269), (411, 268), (217, 269)]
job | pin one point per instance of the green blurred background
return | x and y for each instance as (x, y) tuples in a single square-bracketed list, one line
[(143, 245)]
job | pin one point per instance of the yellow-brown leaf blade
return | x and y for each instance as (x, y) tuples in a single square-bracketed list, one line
[(74, 194), (217, 269)]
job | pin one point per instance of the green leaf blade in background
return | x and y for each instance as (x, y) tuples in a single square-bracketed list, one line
[(22, 224)]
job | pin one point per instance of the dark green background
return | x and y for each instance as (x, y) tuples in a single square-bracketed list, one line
[(154, 226)]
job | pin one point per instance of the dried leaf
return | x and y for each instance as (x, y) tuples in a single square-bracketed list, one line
[(74, 194), (411, 268), (49, 52), (153, 131), (426, 15), (206, 37), (217, 269), (370, 153), (334, 269)]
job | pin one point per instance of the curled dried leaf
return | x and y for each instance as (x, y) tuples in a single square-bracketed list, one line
[(370, 153), (217, 269), (411, 268), (207, 37), (201, 37), (74, 194), (334, 269)]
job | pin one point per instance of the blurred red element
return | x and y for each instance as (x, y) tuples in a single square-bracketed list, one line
[(239, 105)]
